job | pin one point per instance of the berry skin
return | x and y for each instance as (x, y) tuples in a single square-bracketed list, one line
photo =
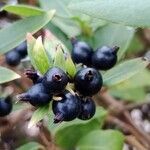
[(12, 58), (22, 49), (66, 109), (88, 109), (5, 106), (81, 52), (88, 81), (105, 57), (55, 80), (37, 95)]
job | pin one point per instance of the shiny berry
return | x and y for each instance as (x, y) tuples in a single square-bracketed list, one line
[(5, 106), (22, 49), (105, 57), (81, 52), (12, 58), (66, 109), (37, 95), (55, 80), (88, 81), (87, 109)]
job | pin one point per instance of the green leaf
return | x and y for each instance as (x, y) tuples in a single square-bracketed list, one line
[(7, 75), (59, 58), (114, 35), (23, 10), (20, 28), (102, 140), (124, 71), (74, 130), (38, 115), (70, 67), (30, 146), (38, 56), (62, 18), (126, 12)]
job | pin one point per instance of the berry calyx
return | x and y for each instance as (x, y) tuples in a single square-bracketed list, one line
[(105, 57), (12, 58), (81, 52), (66, 109), (5, 106), (88, 109), (88, 81), (55, 79), (37, 95)]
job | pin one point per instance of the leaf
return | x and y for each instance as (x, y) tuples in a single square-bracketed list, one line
[(70, 67), (59, 59), (30, 146), (102, 140), (19, 30), (74, 130), (23, 10), (62, 18), (38, 115), (38, 56), (7, 75), (126, 12), (114, 35), (124, 71)]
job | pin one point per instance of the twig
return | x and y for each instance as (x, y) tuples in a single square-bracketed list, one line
[(131, 140)]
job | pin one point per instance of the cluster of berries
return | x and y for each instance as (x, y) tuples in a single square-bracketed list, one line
[(5, 106), (14, 56), (76, 103)]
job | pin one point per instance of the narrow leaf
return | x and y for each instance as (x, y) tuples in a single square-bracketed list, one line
[(38, 115), (126, 12), (124, 71), (20, 28), (23, 10), (7, 75)]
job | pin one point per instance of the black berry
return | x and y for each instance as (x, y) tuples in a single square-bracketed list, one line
[(55, 80), (22, 49), (66, 109), (87, 109), (105, 57), (88, 81), (37, 95), (5, 106), (13, 58), (81, 52)]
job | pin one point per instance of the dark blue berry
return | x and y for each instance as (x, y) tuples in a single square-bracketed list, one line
[(88, 109), (12, 58), (5, 106), (104, 58), (88, 81), (66, 109), (37, 95), (81, 52), (55, 80), (22, 49)]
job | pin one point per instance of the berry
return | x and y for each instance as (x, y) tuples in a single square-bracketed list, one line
[(88, 81), (37, 95), (55, 80), (105, 57), (22, 49), (66, 109), (81, 52), (33, 75), (12, 58), (5, 106), (87, 109)]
